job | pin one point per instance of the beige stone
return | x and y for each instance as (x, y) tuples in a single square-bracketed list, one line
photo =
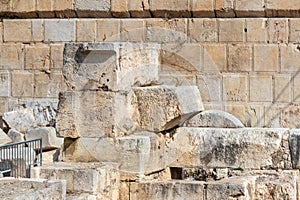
[(239, 111), (296, 88), (256, 30), (240, 58), (63, 5), (132, 30), (22, 35), (85, 30), (266, 58), (12, 56), (283, 88), (5, 84), (119, 8), (44, 5), (4, 138), (60, 30), (235, 87), (280, 5), (37, 30), (56, 56), (19, 6), (201, 8), (203, 30), (278, 30), (289, 57), (167, 190), (214, 58), (255, 8), (37, 57), (294, 30), (210, 87), (22, 84), (173, 8), (48, 84), (176, 79), (224, 8), (1, 32), (108, 30), (261, 89), (15, 136), (231, 30), (5, 6), (139, 8)]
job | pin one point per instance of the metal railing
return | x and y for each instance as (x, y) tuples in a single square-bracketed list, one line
[(16, 159)]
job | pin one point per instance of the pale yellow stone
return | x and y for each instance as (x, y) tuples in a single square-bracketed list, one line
[(171, 8), (261, 89), (63, 5), (266, 58), (296, 88), (282, 88), (108, 30), (203, 30), (202, 8), (235, 87), (1, 34), (37, 30), (240, 58), (231, 30), (290, 58), (86, 30), (12, 56), (44, 5), (56, 56), (22, 84), (294, 30), (20, 6), (283, 5), (249, 8), (224, 8), (132, 30), (37, 57), (17, 30), (256, 29), (214, 57), (119, 8), (139, 8), (278, 30), (210, 87), (47, 85)]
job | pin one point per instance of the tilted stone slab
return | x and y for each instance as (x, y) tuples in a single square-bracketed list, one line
[(167, 190), (4, 138), (158, 105), (214, 119), (247, 148), (110, 66), (15, 136), (48, 135), (95, 114)]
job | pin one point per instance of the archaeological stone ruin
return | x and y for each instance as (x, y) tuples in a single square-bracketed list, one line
[(150, 100)]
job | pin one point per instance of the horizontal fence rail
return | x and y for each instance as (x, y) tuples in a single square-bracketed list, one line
[(16, 159)]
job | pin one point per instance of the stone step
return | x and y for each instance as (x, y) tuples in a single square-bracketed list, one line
[(83, 180)]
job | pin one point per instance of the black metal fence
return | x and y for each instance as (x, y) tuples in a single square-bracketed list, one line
[(17, 159)]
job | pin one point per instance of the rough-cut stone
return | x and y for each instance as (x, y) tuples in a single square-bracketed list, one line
[(158, 105), (12, 188), (48, 135), (246, 148), (52, 156), (100, 180), (294, 146), (99, 8), (216, 119), (110, 66), (167, 190), (4, 138), (95, 114), (15, 136), (138, 155)]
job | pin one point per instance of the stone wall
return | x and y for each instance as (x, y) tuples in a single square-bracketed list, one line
[(243, 59)]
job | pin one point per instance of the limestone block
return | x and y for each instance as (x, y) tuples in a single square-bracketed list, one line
[(256, 29), (44, 5), (202, 8), (240, 58), (94, 5), (108, 30), (22, 35), (18, 6), (52, 156), (261, 88), (119, 8), (235, 87), (224, 8), (245, 148), (1, 32), (210, 87), (110, 66), (4, 138), (139, 8), (22, 188), (231, 188), (203, 30), (59, 30), (22, 84), (132, 30), (167, 190), (231, 30), (21, 120), (166, 31), (171, 9), (100, 179), (48, 135), (294, 30), (56, 56), (214, 57), (290, 57), (244, 8), (278, 30), (283, 88), (266, 58), (63, 5), (5, 6), (37, 30), (294, 146), (37, 57), (280, 5), (214, 118), (5, 84), (158, 105), (15, 136), (86, 30), (96, 114), (12, 56)]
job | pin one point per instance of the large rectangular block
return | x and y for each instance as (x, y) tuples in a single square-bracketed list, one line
[(37, 30), (210, 87), (19, 6), (132, 30), (48, 85), (93, 8), (240, 58), (22, 84), (256, 30), (12, 56), (231, 30), (202, 8), (283, 88), (278, 30), (108, 30), (289, 57), (261, 88), (203, 30), (22, 35), (5, 84), (56, 56), (37, 57), (294, 30), (214, 57), (224, 8), (86, 30), (63, 5), (59, 30), (139, 8), (44, 5), (245, 8), (119, 8), (235, 87), (266, 58), (172, 8), (296, 88)]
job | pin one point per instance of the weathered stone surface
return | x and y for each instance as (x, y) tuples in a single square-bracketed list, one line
[(15, 136), (52, 156), (12, 188), (158, 105), (246, 148), (95, 114), (48, 135), (294, 147), (110, 66), (99, 179), (167, 190), (4, 138), (216, 119)]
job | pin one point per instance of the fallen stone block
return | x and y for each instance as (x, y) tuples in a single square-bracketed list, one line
[(214, 119), (48, 135), (51, 156), (158, 105), (4, 138), (95, 114), (247, 148), (15, 136), (110, 66), (167, 190)]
